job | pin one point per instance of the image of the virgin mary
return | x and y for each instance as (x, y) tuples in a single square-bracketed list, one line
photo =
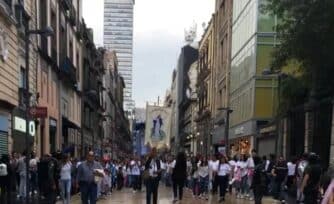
[(157, 132)]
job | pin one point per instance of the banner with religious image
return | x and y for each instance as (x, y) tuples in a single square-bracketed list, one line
[(157, 128)]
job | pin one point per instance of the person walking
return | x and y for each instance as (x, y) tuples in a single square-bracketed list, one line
[(153, 172), (22, 170), (223, 173), (301, 166), (6, 174), (33, 174), (135, 171), (280, 172), (179, 175), (213, 168), (259, 182), (65, 179), (311, 180), (89, 174), (203, 172)]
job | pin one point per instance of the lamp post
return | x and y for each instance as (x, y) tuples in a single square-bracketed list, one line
[(48, 31), (227, 127)]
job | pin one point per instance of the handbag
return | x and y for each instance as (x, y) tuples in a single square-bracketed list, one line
[(146, 174)]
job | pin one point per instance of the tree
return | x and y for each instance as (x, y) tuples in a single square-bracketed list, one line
[(306, 32)]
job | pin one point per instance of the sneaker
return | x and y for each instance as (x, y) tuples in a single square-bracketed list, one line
[(174, 200), (222, 199), (134, 191), (251, 198)]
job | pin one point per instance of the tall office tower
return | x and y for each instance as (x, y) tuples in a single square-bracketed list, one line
[(118, 35)]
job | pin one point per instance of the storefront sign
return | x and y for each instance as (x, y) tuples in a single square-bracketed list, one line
[(239, 130), (20, 124), (268, 129), (38, 112), (32, 129)]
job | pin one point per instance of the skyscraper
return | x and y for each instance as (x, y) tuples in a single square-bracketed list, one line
[(118, 36)]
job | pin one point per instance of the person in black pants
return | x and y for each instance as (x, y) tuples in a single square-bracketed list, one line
[(153, 166), (179, 175), (223, 173), (5, 180)]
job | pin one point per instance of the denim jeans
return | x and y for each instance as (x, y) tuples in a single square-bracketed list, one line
[(22, 187), (65, 186), (244, 185), (152, 185), (88, 192), (204, 185)]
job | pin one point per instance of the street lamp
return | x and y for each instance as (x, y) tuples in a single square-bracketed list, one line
[(48, 31), (227, 126)]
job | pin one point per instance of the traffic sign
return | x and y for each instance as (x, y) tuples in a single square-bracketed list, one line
[(38, 112)]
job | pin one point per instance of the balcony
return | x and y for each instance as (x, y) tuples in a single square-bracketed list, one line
[(68, 71)]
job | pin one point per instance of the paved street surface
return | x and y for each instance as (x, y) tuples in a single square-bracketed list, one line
[(126, 196)]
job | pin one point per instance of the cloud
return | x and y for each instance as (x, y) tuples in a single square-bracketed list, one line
[(158, 37)]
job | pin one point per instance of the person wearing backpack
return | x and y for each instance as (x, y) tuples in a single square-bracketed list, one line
[(5, 179), (259, 182)]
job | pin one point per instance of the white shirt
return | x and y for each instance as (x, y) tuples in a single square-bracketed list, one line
[(214, 165), (65, 172), (153, 168), (242, 165), (250, 163), (224, 169), (291, 169), (267, 165), (203, 171)]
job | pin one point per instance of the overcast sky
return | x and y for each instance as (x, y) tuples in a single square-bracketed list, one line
[(158, 36)]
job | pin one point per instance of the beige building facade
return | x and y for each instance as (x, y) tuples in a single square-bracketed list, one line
[(13, 72), (206, 63), (221, 70)]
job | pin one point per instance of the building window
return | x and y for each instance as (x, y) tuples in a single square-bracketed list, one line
[(22, 78), (71, 51)]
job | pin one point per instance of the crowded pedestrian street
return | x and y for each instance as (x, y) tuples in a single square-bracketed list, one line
[(165, 197), (166, 102)]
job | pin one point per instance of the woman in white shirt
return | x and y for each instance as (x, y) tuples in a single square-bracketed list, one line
[(224, 170), (203, 172), (65, 179), (291, 172)]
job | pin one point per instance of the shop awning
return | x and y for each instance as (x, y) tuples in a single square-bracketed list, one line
[(69, 124)]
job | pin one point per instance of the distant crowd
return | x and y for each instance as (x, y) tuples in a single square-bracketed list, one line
[(58, 176)]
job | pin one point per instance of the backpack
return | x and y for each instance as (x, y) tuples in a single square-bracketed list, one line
[(3, 169)]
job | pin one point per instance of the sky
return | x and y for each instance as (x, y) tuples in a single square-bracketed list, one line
[(158, 37)]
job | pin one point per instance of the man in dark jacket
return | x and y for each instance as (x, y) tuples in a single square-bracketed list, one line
[(280, 172), (259, 180), (179, 175), (153, 166), (47, 176)]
